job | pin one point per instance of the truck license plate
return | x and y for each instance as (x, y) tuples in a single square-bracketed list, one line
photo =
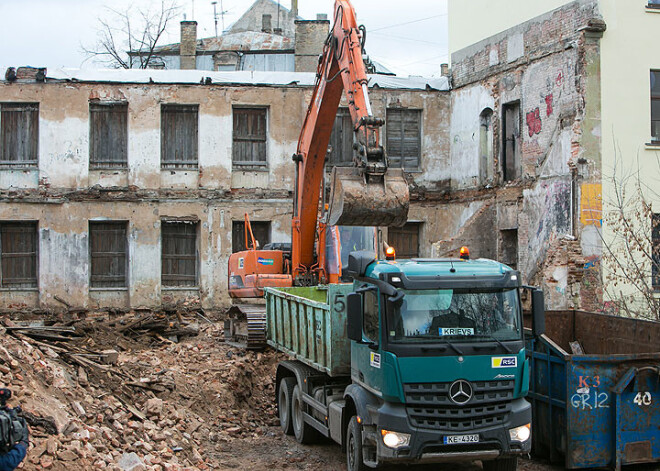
[(452, 439)]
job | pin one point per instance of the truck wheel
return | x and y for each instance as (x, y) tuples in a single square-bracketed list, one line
[(304, 432), (503, 464), (354, 460), (284, 404)]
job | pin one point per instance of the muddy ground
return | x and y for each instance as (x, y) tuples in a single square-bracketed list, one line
[(176, 397)]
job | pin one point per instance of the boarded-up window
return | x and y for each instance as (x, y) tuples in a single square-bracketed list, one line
[(179, 125), (404, 138), (655, 106), (108, 135), (656, 252), (249, 143), (260, 230), (405, 240), (509, 247), (179, 259), (341, 140), (18, 255), (19, 134), (108, 248)]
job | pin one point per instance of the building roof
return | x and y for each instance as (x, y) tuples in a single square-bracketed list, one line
[(241, 41), (283, 79)]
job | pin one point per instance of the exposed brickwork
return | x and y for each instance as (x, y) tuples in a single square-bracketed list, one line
[(310, 37), (550, 33), (548, 67), (188, 44)]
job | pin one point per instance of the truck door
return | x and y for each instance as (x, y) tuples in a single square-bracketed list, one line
[(366, 366)]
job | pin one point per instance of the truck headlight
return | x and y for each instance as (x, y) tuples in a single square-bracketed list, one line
[(395, 439), (520, 434)]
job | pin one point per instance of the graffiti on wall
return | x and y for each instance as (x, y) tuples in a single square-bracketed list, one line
[(534, 125)]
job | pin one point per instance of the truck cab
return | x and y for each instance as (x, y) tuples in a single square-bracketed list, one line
[(437, 350), (417, 361)]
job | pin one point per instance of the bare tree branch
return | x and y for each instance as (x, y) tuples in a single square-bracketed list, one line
[(632, 251), (130, 38)]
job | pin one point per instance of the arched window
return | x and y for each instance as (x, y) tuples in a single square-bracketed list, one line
[(486, 146)]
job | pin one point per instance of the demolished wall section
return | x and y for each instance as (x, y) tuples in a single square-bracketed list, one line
[(548, 70)]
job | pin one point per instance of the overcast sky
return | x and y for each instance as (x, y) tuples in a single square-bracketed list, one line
[(409, 37)]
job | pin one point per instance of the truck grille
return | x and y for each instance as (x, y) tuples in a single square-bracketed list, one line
[(428, 405)]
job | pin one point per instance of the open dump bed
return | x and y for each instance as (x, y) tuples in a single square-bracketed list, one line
[(310, 325), (595, 390)]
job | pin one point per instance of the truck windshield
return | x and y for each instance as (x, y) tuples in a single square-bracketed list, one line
[(433, 315)]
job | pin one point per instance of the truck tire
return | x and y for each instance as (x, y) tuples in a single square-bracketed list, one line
[(284, 404), (305, 433), (354, 461), (503, 464)]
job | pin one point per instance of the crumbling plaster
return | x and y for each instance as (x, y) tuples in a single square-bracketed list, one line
[(555, 78), (63, 194)]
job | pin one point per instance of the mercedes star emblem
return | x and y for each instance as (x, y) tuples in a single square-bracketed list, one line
[(460, 392)]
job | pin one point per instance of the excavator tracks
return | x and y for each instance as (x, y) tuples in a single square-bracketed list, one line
[(245, 326)]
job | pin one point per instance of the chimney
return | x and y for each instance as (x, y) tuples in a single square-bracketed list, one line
[(321, 16), (266, 26), (444, 70), (188, 46), (310, 37), (294, 8)]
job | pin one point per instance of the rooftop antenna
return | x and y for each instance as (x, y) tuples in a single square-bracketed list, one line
[(222, 17), (215, 18), (193, 10)]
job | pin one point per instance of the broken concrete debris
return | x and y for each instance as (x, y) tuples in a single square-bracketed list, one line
[(110, 391)]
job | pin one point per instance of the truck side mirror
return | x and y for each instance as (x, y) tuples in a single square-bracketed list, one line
[(354, 316), (538, 313)]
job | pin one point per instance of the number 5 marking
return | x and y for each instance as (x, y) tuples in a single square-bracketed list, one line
[(643, 399)]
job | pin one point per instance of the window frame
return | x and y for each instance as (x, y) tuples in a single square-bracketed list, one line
[(239, 227), (655, 98), (407, 231), (250, 164), (192, 161), (96, 108), (655, 251), (32, 282), (122, 284), (167, 279), (402, 131), (6, 135)]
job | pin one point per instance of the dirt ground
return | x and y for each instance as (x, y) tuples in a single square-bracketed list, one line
[(176, 398)]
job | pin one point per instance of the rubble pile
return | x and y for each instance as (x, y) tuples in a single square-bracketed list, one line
[(140, 391)]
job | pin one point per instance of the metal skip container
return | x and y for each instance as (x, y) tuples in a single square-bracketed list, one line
[(595, 390)]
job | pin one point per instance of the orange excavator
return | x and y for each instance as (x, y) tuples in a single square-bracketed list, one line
[(368, 194)]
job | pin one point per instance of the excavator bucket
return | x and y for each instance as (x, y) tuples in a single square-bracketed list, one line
[(354, 202)]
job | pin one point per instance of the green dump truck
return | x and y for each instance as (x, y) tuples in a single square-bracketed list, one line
[(416, 361)]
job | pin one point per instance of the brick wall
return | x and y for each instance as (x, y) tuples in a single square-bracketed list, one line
[(547, 34), (310, 37), (188, 44)]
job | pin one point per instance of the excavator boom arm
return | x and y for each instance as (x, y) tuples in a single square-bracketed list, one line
[(340, 68)]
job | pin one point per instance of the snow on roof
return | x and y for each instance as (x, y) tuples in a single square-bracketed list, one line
[(233, 78)]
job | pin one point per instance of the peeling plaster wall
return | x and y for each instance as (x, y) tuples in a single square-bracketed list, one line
[(63, 194), (550, 67)]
